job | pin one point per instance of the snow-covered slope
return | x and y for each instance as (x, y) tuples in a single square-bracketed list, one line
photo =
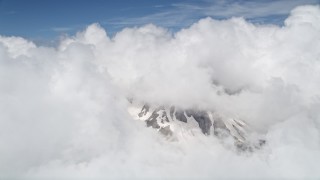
[(182, 123)]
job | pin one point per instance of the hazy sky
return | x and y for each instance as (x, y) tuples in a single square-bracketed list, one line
[(44, 19)]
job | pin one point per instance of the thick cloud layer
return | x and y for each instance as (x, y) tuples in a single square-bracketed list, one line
[(63, 110)]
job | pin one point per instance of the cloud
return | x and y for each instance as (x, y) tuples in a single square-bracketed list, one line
[(247, 9), (63, 110), (11, 12), (180, 15), (62, 29)]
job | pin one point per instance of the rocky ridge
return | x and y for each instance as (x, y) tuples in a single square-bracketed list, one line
[(171, 121)]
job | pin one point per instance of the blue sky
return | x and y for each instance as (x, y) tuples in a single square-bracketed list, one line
[(48, 19)]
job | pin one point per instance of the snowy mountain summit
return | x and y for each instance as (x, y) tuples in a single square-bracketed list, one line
[(181, 123)]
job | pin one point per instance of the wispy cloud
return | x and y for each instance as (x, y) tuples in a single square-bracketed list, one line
[(62, 29), (247, 9), (11, 12), (184, 14), (166, 18)]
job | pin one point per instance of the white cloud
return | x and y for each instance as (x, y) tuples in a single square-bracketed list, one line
[(63, 110)]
